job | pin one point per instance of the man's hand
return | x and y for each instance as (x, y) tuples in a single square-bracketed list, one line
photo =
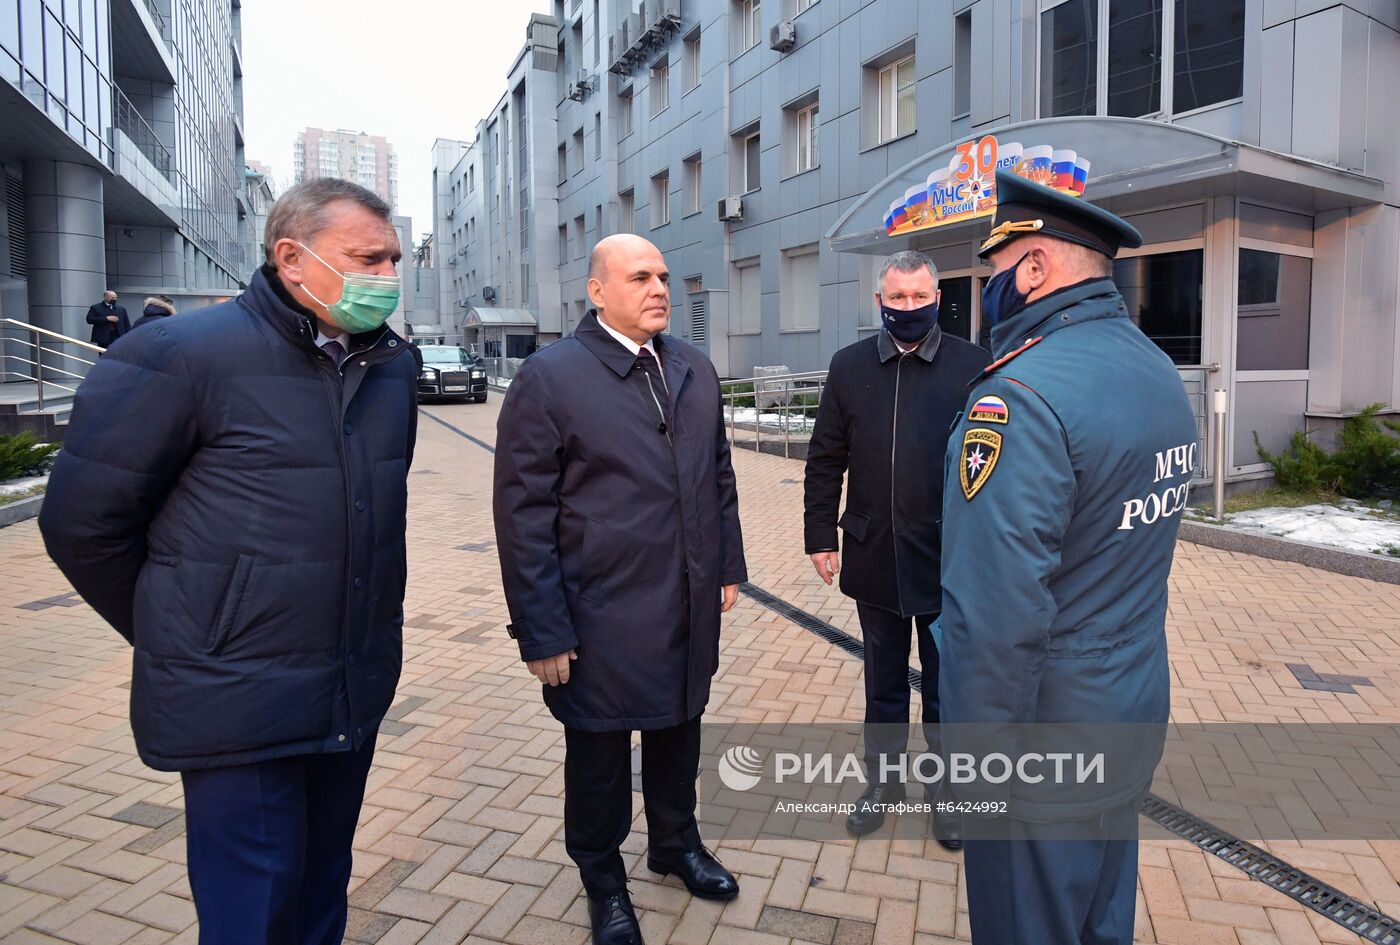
[(113, 319), (828, 564), (552, 670), (731, 595)]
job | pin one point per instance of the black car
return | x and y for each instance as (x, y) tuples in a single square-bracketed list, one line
[(449, 371)]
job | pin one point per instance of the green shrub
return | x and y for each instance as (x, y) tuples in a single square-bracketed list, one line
[(24, 455), (1366, 463)]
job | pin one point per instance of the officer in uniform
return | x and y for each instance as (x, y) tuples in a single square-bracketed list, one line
[(1066, 477)]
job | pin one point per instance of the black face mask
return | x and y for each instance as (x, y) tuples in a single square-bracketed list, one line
[(909, 326), (1000, 297)]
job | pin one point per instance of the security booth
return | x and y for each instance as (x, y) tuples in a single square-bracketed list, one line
[(1244, 278), (424, 334), (502, 337)]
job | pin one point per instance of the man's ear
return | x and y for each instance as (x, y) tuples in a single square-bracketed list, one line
[(288, 258), (1037, 271), (879, 300), (595, 292)]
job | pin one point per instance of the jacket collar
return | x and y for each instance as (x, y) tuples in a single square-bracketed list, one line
[(926, 350), (610, 351), (1057, 310), (268, 298)]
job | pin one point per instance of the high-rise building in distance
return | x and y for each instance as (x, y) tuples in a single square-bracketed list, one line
[(368, 160)]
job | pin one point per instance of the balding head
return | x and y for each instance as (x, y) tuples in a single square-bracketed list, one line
[(629, 284)]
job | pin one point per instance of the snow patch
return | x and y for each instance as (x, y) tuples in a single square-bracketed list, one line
[(1349, 526)]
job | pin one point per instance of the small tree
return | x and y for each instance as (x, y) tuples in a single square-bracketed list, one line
[(24, 455), (1367, 462)]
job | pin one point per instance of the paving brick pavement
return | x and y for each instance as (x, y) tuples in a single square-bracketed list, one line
[(460, 838)]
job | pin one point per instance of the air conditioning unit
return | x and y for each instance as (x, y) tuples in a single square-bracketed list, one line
[(574, 94), (671, 12), (488, 293), (451, 213), (731, 208), (636, 27), (783, 36), (585, 81)]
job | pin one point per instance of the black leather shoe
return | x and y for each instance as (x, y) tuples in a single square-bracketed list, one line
[(703, 874), (946, 829), (867, 817), (614, 922)]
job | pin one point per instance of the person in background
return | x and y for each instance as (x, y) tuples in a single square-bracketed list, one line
[(108, 320), (884, 417), (231, 497), (157, 307)]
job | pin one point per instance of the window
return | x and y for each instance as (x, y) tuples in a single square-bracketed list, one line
[(627, 212), (624, 113), (1069, 59), (751, 153), (1275, 293), (578, 150), (524, 283), (579, 240), (800, 6), (896, 105), (746, 295), (597, 33), (661, 199), (1110, 57), (597, 136), (801, 290), (692, 184), (598, 218), (750, 32), (962, 63), (1163, 295), (1208, 54), (660, 86), (563, 163), (692, 60), (807, 132)]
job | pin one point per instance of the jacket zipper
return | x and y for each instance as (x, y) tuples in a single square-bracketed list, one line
[(338, 418), (894, 440)]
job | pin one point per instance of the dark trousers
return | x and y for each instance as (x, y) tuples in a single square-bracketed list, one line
[(886, 637), (269, 847), (598, 798), (1023, 887)]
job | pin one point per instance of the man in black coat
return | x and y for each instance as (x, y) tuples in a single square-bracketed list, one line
[(885, 414), (248, 540), (108, 320), (618, 526)]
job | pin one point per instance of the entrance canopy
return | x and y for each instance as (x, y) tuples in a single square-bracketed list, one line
[(500, 318), (1131, 161)]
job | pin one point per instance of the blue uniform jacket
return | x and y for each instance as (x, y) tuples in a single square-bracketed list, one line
[(1066, 477)]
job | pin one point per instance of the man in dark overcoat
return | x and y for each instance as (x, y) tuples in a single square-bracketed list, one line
[(618, 526), (109, 320), (885, 413)]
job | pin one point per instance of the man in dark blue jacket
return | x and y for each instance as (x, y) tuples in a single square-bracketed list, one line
[(885, 413), (248, 540), (1065, 482)]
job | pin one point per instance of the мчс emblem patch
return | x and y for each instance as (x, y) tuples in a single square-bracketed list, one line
[(980, 451), (989, 409)]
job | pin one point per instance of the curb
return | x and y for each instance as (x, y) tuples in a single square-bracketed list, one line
[(1352, 563), (15, 512)]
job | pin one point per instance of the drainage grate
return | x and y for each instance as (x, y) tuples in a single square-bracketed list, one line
[(1350, 913)]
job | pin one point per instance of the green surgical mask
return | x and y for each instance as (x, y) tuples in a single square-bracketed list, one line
[(366, 301)]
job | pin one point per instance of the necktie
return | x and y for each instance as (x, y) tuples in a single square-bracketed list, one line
[(656, 384), (336, 351)]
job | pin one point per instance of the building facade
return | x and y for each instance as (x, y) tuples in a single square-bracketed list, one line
[(368, 160), (122, 157), (259, 194), (764, 147)]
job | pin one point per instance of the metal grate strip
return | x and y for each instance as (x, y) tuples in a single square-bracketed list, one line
[(1352, 914)]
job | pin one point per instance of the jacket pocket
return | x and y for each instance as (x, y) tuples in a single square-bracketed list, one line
[(855, 524), (226, 618)]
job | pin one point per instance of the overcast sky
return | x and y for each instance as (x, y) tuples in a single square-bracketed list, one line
[(410, 70)]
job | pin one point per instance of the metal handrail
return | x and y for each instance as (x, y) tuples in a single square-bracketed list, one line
[(134, 125), (40, 350)]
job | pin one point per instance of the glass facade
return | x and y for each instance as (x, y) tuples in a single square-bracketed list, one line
[(59, 55), (206, 151)]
